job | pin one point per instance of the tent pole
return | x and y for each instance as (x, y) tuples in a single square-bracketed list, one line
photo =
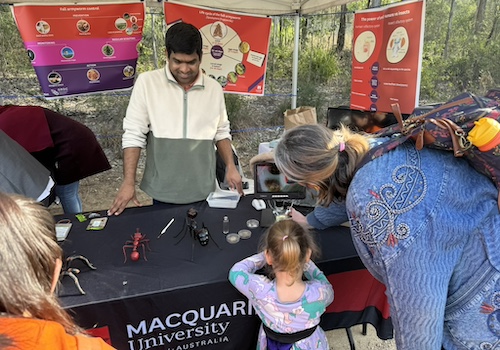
[(295, 64), (154, 39)]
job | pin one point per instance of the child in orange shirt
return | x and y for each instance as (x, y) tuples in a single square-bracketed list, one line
[(30, 259)]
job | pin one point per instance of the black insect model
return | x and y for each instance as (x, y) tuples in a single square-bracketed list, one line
[(201, 235), (68, 270)]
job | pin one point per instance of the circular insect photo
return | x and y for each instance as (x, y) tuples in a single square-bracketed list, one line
[(240, 69), (120, 24), (126, 16), (129, 31), (128, 71), (218, 30), (108, 50), (244, 47), (31, 55), (133, 19), (54, 78), (83, 26), (222, 80), (93, 74), (232, 77), (42, 27), (135, 26), (67, 53)]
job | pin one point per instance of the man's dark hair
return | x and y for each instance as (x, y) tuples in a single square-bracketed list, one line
[(183, 38)]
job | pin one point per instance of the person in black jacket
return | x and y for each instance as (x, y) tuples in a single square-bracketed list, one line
[(67, 148)]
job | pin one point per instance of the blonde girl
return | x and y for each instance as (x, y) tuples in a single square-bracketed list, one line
[(289, 305)]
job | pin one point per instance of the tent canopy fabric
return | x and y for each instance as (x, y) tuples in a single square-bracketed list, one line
[(268, 7), (258, 7)]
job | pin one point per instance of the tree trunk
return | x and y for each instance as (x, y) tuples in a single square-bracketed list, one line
[(448, 31), (480, 14), (303, 31), (494, 27), (342, 28), (280, 30)]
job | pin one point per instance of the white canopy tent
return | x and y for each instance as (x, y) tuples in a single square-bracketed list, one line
[(259, 7)]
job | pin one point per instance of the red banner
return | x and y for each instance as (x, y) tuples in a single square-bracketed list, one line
[(387, 57), (235, 46)]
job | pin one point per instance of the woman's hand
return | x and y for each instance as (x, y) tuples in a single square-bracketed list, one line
[(299, 218)]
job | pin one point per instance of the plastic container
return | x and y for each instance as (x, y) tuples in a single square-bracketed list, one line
[(225, 225), (252, 223), (232, 238), (223, 199), (485, 134), (244, 234)]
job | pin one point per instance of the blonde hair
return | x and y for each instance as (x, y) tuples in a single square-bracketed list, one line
[(288, 243), (28, 253), (322, 158)]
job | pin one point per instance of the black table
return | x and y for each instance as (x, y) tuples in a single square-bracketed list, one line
[(180, 296)]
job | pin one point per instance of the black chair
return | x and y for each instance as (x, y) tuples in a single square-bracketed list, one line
[(358, 120), (338, 115)]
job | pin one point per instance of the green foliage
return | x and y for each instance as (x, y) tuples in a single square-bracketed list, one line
[(152, 47), (311, 94), (13, 57), (280, 63), (471, 64), (342, 81), (236, 110), (476, 70), (317, 65), (109, 109), (280, 110), (436, 15)]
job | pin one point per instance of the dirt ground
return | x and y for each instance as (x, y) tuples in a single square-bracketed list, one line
[(337, 339), (98, 192)]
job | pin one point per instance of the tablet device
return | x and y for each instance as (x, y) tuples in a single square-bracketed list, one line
[(270, 183)]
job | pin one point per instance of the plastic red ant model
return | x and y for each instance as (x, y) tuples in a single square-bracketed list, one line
[(138, 240)]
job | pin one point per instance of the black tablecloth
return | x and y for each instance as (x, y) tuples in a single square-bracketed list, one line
[(180, 296)]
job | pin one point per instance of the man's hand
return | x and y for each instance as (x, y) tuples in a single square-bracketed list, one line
[(123, 197), (126, 193), (233, 179)]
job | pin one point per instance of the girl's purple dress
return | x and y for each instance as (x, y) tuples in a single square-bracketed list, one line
[(287, 317)]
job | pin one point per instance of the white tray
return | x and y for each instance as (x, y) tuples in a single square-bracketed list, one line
[(223, 199)]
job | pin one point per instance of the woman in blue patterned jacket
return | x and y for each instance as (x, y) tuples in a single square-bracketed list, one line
[(424, 223)]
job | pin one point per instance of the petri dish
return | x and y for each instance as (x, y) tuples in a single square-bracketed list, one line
[(244, 234), (252, 223), (232, 238)]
